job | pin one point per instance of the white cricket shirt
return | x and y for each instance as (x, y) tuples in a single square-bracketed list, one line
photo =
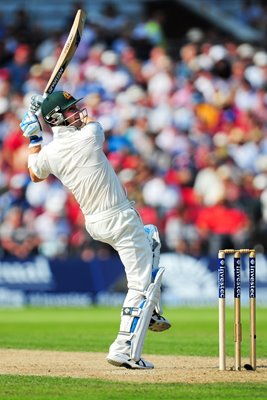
[(77, 159)]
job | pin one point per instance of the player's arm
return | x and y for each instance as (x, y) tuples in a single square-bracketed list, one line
[(34, 150), (32, 129)]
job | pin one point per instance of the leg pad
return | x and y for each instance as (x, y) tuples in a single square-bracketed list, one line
[(147, 307)]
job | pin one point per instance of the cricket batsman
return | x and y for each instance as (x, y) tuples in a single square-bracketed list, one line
[(76, 157)]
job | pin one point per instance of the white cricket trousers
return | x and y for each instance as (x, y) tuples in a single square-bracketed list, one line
[(124, 231)]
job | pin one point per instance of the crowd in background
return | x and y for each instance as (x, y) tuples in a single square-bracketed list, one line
[(186, 131)]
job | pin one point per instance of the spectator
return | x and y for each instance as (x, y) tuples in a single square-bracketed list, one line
[(228, 227), (110, 23), (17, 235), (19, 67)]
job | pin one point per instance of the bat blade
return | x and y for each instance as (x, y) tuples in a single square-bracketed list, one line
[(67, 52)]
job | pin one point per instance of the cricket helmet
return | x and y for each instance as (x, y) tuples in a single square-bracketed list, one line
[(54, 105)]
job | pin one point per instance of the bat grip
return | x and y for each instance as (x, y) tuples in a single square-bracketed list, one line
[(38, 113)]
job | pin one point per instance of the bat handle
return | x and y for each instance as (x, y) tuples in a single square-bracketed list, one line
[(38, 113)]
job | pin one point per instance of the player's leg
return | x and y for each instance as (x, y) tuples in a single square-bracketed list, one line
[(158, 323), (143, 293), (126, 350), (126, 234)]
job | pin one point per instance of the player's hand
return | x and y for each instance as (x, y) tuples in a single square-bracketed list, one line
[(36, 102), (30, 125), (31, 128)]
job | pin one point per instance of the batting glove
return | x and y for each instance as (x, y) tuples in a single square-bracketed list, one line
[(36, 102), (31, 128)]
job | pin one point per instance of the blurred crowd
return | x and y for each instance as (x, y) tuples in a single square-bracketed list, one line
[(252, 13), (186, 131)]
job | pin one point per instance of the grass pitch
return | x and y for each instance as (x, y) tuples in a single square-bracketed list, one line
[(42, 388), (194, 332)]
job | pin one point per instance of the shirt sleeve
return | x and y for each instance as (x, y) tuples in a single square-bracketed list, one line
[(40, 166)]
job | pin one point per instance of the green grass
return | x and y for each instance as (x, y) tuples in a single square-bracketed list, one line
[(42, 388), (194, 332)]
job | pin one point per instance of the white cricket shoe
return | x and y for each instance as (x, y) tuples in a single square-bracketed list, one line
[(122, 360), (158, 323)]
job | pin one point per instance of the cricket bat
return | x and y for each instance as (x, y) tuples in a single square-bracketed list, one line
[(67, 52)]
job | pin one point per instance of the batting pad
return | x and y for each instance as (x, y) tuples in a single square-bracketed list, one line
[(155, 244), (152, 296)]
